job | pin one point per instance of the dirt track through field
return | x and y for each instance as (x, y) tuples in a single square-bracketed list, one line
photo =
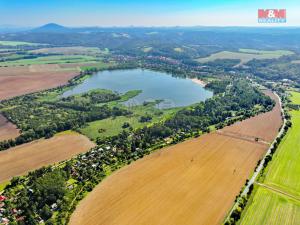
[(191, 183), (27, 157)]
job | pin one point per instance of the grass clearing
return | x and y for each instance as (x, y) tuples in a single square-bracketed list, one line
[(178, 50), (245, 55), (3, 185), (113, 126)]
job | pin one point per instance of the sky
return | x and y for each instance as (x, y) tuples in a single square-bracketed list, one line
[(143, 12)]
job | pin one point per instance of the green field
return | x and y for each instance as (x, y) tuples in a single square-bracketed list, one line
[(18, 43), (268, 206), (295, 97), (113, 126), (245, 55), (51, 60)]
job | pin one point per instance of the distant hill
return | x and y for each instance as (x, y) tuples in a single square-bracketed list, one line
[(51, 27)]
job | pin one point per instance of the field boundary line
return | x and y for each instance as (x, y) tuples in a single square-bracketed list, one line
[(243, 137), (278, 191)]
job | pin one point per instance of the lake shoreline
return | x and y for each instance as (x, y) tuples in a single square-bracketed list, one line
[(198, 81)]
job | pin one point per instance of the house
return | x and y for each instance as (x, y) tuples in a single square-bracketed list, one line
[(2, 198), (5, 221)]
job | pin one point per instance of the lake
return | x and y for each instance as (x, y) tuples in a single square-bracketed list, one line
[(155, 85)]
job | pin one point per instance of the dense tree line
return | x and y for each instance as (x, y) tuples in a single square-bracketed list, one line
[(41, 118)]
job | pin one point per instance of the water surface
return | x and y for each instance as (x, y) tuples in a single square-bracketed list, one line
[(154, 85)]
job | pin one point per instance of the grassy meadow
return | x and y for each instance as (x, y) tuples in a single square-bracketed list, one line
[(271, 207), (113, 126)]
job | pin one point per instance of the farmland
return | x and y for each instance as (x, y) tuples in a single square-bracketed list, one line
[(245, 55), (27, 157), (17, 43), (201, 169), (51, 60), (78, 50), (7, 129), (16, 81), (281, 206)]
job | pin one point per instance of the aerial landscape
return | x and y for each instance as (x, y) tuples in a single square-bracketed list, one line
[(155, 113)]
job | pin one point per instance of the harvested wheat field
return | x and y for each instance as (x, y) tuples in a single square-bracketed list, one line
[(191, 183), (7, 129), (265, 127), (21, 80), (27, 157)]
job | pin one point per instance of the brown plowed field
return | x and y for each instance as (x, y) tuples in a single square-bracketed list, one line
[(191, 183), (21, 80), (27, 157), (7, 129)]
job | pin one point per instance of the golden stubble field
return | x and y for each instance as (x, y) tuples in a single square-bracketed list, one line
[(27, 157), (191, 183)]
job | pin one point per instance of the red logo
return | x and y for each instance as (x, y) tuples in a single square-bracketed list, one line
[(272, 15)]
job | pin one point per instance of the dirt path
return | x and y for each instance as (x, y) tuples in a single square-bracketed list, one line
[(191, 183)]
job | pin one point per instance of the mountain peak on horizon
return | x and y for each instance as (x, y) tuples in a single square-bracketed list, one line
[(51, 27)]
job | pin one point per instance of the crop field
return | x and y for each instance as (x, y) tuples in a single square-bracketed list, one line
[(295, 97), (17, 43), (7, 129), (269, 207), (282, 174), (21, 80), (264, 122), (27, 157), (208, 172), (78, 50), (245, 55), (51, 60)]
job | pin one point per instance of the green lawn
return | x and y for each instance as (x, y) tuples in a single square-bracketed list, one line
[(51, 60), (282, 173), (17, 43), (245, 55)]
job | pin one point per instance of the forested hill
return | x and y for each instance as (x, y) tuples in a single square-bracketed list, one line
[(199, 41)]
